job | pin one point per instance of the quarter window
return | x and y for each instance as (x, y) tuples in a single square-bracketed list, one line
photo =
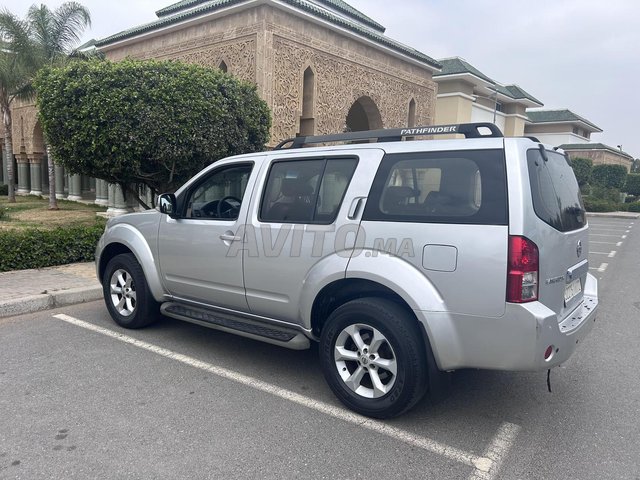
[(440, 187)]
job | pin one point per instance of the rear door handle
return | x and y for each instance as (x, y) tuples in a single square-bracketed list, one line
[(354, 210)]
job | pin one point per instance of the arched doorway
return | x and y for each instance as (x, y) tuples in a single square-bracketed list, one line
[(363, 115)]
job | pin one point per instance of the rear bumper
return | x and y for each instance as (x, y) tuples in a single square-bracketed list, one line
[(516, 341)]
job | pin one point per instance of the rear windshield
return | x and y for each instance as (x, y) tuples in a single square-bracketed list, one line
[(555, 191), (440, 187)]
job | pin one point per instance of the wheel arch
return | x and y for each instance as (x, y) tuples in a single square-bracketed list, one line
[(344, 290), (126, 239)]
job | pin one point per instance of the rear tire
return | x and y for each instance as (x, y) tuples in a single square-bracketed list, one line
[(373, 357), (127, 294)]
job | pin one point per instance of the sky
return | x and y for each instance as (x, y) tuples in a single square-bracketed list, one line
[(578, 54)]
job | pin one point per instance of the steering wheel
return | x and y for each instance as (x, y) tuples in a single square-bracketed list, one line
[(227, 212)]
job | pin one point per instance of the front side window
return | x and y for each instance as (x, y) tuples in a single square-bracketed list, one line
[(440, 187), (306, 191), (219, 196)]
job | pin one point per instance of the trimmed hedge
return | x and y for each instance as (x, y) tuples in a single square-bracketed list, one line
[(632, 185), (600, 205), (634, 207), (34, 248), (609, 176)]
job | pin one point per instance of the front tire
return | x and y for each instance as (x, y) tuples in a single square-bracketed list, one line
[(126, 293), (373, 357)]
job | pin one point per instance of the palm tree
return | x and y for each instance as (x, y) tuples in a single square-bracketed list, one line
[(46, 37), (17, 66)]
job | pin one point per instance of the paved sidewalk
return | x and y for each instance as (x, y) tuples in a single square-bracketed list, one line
[(25, 291)]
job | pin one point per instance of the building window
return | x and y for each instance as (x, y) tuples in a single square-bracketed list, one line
[(223, 66), (307, 121), (412, 113)]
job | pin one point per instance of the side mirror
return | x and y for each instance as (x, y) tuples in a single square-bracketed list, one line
[(168, 204)]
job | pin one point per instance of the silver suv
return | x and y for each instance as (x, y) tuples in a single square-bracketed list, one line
[(404, 259)]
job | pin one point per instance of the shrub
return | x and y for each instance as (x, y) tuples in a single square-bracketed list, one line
[(634, 207), (34, 248), (4, 190), (609, 176), (600, 205), (604, 193), (582, 167), (632, 185)]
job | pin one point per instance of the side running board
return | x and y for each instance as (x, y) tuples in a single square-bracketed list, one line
[(238, 325)]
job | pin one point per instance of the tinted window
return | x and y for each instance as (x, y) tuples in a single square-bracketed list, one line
[(306, 191), (555, 192), (219, 195), (440, 187)]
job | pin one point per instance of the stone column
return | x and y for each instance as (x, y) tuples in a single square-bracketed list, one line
[(102, 192), (3, 162), (23, 175), (85, 186), (35, 169), (117, 203), (60, 181), (75, 188)]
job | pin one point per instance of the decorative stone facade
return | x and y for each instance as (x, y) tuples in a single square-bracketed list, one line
[(357, 83), (272, 49)]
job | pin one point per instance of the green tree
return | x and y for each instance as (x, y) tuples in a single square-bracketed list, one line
[(582, 167), (17, 65), (153, 123), (55, 34)]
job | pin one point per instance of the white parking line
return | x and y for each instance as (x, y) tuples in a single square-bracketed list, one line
[(605, 235), (497, 451), (612, 254), (606, 243), (599, 253), (487, 467)]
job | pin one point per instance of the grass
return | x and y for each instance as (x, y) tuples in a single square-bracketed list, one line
[(32, 211)]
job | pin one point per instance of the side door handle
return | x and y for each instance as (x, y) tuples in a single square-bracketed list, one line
[(229, 236)]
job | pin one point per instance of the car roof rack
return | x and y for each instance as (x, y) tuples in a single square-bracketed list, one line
[(469, 130)]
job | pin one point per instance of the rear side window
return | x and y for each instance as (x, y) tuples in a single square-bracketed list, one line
[(555, 192), (440, 187), (306, 191)]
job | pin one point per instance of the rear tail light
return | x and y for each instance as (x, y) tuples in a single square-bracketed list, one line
[(522, 270)]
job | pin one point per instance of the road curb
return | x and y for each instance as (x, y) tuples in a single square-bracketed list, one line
[(45, 301), (625, 215)]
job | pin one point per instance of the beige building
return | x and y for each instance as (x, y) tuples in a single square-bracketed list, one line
[(599, 153), (321, 66), (465, 94), (572, 132)]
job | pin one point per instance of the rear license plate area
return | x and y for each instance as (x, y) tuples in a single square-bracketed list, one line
[(571, 290)]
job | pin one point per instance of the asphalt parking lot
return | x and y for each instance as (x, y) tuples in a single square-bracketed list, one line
[(82, 398)]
